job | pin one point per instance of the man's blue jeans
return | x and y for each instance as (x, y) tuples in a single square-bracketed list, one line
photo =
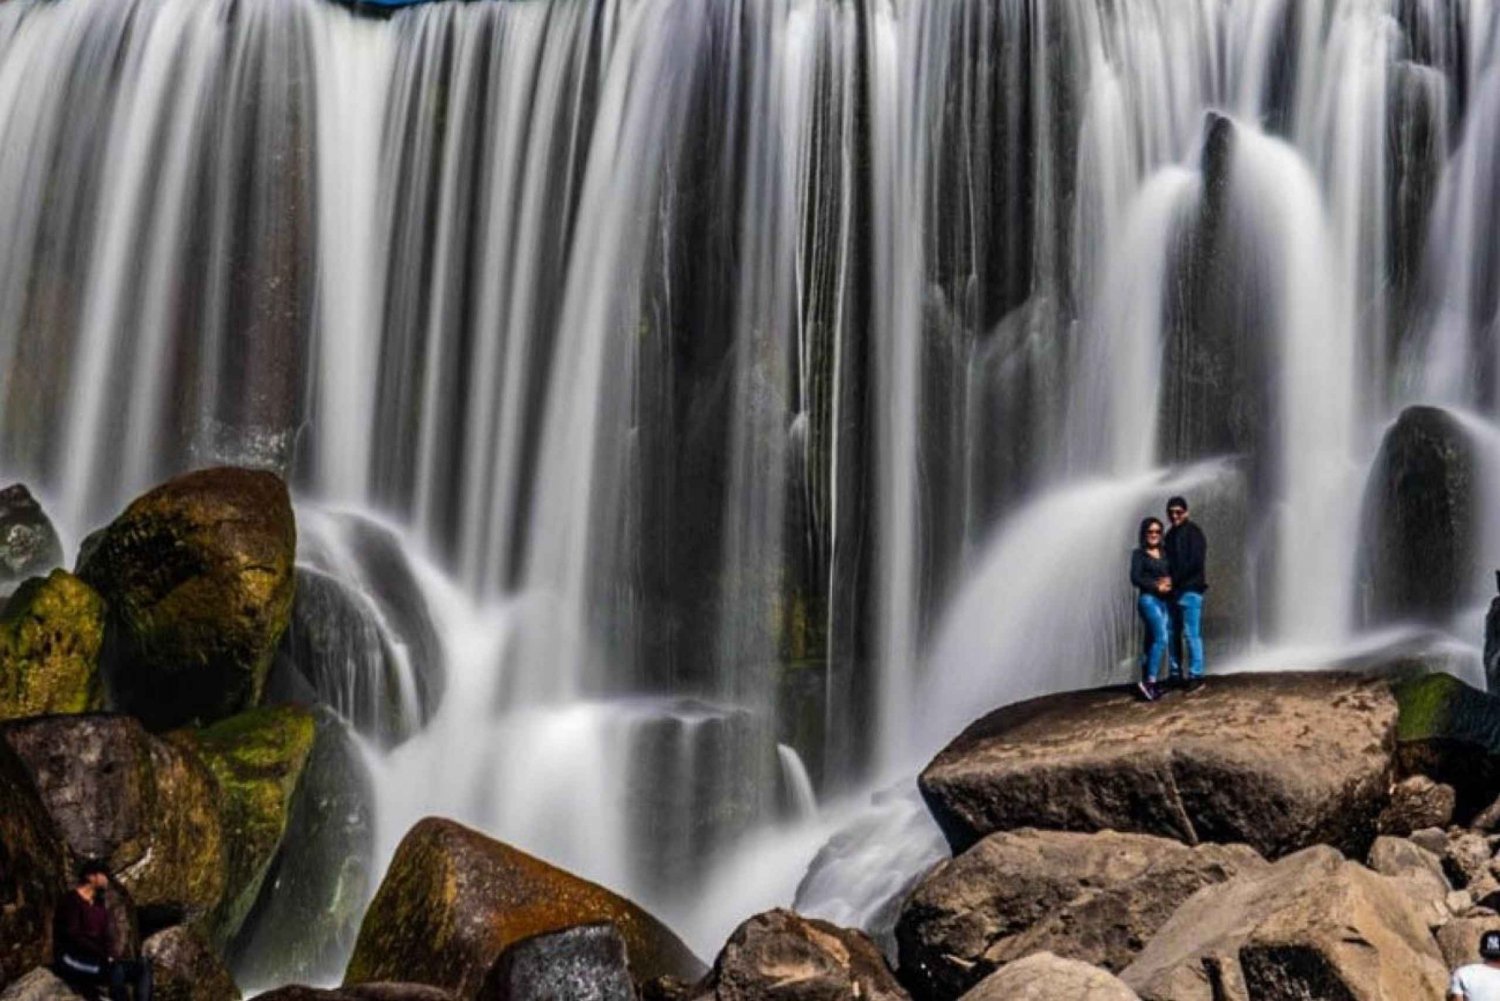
[(1158, 621), (1190, 627)]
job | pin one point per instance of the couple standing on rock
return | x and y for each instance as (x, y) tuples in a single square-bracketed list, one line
[(1168, 572)]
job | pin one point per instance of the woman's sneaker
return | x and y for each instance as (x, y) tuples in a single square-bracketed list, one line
[(1148, 690)]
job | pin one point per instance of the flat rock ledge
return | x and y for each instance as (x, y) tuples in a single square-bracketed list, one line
[(1275, 761)]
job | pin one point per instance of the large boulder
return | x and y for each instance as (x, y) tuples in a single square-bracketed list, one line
[(1421, 509), (1450, 732), (51, 632), (453, 900), (782, 956), (1097, 898), (41, 984), (1045, 977), (33, 870), (338, 646), (257, 758), (304, 923), (198, 577), (1275, 761), (585, 963), (1313, 925), (146, 807), (186, 968), (28, 543)]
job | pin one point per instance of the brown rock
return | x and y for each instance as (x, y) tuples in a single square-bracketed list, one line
[(33, 871), (1417, 869), (1097, 898), (1434, 839), (1458, 940), (144, 806), (1312, 923), (1416, 803), (198, 578), (1274, 761), (185, 968), (1467, 859), (41, 984), (1045, 977), (453, 900), (782, 956)]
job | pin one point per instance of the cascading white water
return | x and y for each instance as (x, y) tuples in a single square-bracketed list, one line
[(746, 373)]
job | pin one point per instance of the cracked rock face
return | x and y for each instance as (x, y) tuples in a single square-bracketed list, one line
[(1096, 898), (1275, 761)]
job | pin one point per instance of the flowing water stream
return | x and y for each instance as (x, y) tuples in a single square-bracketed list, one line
[(755, 391)]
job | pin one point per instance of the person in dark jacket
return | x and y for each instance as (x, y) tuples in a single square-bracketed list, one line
[(85, 951), (1187, 557), (1152, 579)]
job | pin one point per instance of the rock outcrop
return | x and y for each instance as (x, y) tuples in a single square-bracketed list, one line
[(33, 870), (148, 808), (1097, 898), (1275, 761), (585, 963), (1450, 732), (198, 578), (1313, 925), (256, 759), (51, 633), (186, 968), (782, 956), (453, 900), (1045, 977)]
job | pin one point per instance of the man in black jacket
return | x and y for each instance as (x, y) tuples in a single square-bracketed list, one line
[(83, 940), (1187, 554)]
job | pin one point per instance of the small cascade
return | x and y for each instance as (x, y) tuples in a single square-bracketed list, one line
[(798, 785)]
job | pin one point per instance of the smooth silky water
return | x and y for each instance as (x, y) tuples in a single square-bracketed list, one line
[(759, 389)]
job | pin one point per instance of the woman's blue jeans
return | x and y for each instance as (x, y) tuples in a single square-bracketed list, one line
[(1158, 618)]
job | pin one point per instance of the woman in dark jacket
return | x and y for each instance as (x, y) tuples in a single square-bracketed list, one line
[(1153, 584)]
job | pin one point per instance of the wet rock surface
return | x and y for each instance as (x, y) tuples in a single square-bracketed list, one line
[(1097, 898), (28, 543), (453, 900), (198, 578), (782, 956), (1275, 761), (585, 963)]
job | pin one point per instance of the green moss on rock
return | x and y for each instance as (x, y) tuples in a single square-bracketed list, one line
[(198, 576), (51, 632), (257, 758), (1450, 732)]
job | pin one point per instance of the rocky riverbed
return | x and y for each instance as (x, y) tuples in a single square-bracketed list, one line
[(1273, 837)]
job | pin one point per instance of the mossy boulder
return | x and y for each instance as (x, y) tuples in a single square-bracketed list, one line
[(305, 920), (453, 900), (28, 542), (186, 968), (1450, 732), (148, 808), (51, 632), (256, 759), (199, 580), (33, 870)]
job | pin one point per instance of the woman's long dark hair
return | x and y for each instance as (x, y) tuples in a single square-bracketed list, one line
[(1146, 523)]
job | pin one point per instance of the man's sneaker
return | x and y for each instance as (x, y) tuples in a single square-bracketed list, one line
[(1193, 685), (1147, 691)]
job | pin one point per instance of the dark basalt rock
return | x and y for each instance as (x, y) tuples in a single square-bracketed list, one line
[(28, 543), (1419, 510), (198, 577), (33, 870), (585, 963), (1275, 761), (305, 921), (782, 956), (147, 807), (453, 900)]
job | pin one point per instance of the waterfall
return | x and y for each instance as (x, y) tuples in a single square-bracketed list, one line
[(743, 382)]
